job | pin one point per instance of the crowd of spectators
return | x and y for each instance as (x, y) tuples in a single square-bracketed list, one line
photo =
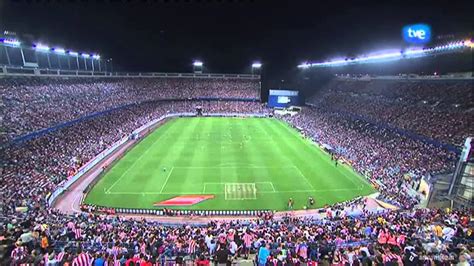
[(416, 237), (438, 109), (393, 161), (48, 160), (29, 104), (33, 234)]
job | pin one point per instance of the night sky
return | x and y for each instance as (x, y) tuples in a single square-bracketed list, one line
[(227, 36)]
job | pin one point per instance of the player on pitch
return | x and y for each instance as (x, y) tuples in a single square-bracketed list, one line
[(311, 201), (290, 204)]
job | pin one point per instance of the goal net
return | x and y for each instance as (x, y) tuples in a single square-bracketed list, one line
[(240, 191)]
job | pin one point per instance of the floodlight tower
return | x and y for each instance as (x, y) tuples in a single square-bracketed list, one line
[(12, 43), (85, 56), (44, 49), (197, 66), (59, 52), (256, 66), (76, 55)]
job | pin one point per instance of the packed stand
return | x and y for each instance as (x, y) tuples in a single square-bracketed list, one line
[(438, 109), (29, 104), (48, 160), (394, 162), (418, 237)]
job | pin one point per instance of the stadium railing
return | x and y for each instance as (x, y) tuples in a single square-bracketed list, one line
[(21, 71)]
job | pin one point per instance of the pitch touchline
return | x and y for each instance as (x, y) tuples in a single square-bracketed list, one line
[(133, 165)]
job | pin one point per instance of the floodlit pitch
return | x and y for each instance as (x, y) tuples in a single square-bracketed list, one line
[(245, 163)]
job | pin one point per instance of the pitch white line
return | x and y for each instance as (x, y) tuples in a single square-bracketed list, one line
[(121, 176), (133, 165), (360, 185), (301, 173), (274, 190), (267, 182), (166, 180)]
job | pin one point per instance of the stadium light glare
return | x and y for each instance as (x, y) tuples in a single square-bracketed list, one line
[(392, 56), (13, 42), (414, 52), (96, 56), (257, 65), (468, 43), (384, 56), (73, 53), (197, 64), (304, 65), (85, 55), (41, 47), (59, 50)]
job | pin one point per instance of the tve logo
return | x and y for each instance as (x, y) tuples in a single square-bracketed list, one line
[(417, 33)]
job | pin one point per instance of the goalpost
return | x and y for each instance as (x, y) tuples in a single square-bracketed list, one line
[(240, 191)]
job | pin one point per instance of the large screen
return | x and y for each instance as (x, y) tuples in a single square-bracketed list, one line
[(283, 98)]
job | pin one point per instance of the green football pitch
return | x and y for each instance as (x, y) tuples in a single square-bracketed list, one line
[(246, 163)]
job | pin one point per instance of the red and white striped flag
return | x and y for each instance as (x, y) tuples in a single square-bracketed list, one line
[(78, 233), (82, 259), (116, 262), (60, 256), (18, 253), (46, 259), (116, 250), (192, 247)]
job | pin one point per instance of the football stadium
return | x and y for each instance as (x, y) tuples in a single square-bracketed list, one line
[(179, 133), (241, 163)]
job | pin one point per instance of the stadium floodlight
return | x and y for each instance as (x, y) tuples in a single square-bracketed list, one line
[(73, 53), (13, 42), (197, 64), (393, 56), (469, 43), (59, 50), (257, 65), (85, 55), (304, 65), (41, 47), (413, 52), (96, 56)]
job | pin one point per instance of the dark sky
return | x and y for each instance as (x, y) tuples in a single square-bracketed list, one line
[(228, 35)]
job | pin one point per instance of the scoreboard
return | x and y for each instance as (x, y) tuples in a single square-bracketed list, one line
[(283, 98)]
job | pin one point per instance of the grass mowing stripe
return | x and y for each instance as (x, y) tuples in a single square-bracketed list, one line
[(135, 160), (345, 170), (210, 154), (133, 165)]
